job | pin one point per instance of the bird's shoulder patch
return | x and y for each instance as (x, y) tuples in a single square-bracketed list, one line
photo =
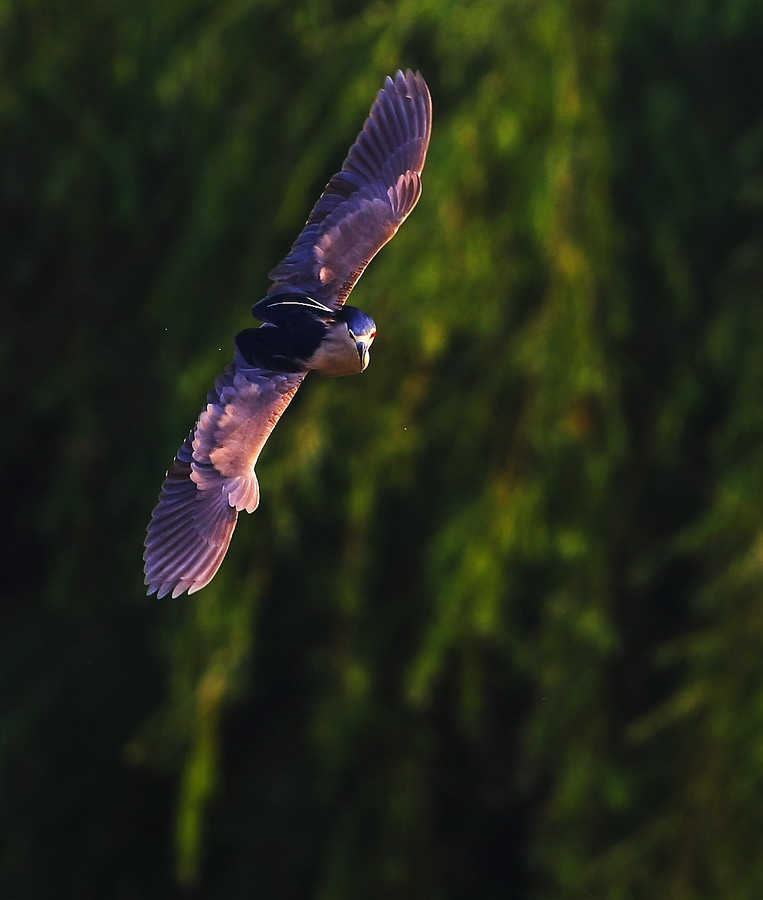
[(284, 347)]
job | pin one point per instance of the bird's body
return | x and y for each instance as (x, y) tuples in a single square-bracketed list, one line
[(306, 328)]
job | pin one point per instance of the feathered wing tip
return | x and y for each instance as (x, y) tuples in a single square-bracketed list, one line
[(364, 204), (395, 136), (189, 532)]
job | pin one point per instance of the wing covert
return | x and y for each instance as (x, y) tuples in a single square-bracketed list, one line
[(365, 203)]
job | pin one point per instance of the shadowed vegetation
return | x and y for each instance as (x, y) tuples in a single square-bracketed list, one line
[(495, 629)]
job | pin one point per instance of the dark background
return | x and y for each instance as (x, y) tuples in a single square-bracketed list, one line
[(496, 629)]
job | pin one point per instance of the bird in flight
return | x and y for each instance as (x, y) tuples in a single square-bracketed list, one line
[(307, 327)]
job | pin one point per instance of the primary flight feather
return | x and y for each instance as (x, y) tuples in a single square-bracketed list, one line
[(306, 328)]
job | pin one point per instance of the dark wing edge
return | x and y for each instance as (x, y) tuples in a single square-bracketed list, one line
[(364, 204), (212, 479)]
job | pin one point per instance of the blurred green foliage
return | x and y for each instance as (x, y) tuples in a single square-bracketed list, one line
[(495, 630)]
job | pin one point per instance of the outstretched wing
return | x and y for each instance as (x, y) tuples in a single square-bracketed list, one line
[(362, 206), (212, 478)]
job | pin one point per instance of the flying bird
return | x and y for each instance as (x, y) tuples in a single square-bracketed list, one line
[(306, 327)]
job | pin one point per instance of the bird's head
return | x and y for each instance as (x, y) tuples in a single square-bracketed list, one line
[(362, 330), (344, 345)]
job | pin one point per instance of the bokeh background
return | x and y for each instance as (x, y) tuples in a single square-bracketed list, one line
[(496, 629)]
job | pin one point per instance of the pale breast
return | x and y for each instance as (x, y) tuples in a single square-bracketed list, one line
[(337, 354)]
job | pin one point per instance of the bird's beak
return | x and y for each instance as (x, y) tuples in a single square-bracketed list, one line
[(363, 354)]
